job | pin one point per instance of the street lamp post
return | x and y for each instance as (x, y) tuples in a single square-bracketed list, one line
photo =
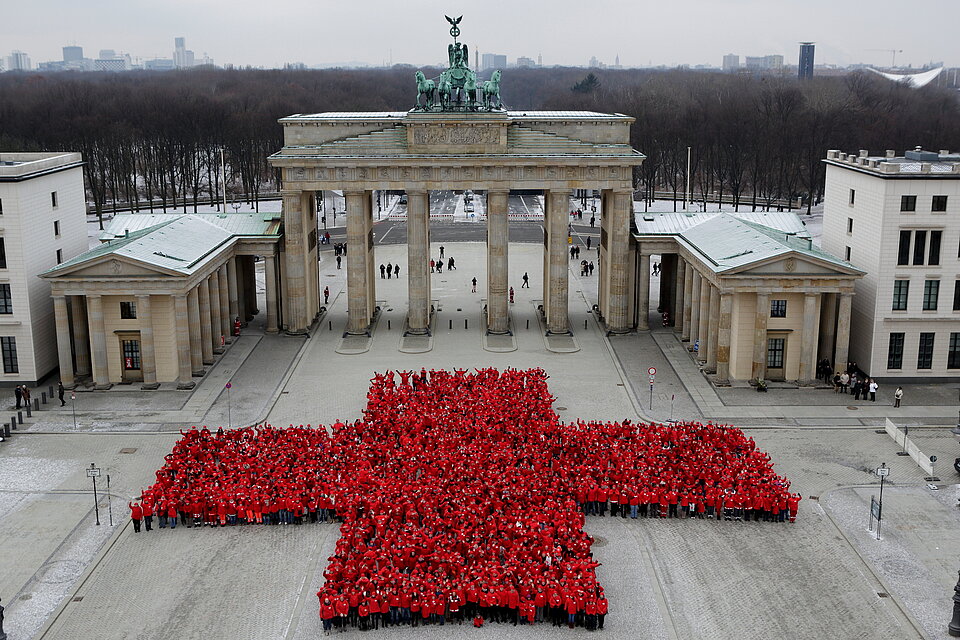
[(229, 418), (93, 473), (954, 627), (73, 404)]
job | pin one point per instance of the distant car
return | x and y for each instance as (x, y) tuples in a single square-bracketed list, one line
[(468, 207), (403, 199)]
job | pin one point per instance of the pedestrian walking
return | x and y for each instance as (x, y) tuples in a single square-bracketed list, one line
[(589, 240), (433, 265), (450, 264), (897, 396), (18, 392), (383, 269), (873, 390), (60, 392), (474, 290), (338, 261), (396, 271), (440, 265), (326, 295), (26, 396), (593, 220), (441, 251), (590, 269), (526, 281), (389, 270), (844, 381)]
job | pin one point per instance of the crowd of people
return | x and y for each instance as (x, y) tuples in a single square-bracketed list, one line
[(462, 497)]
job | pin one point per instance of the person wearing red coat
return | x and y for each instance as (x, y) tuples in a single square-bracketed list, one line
[(136, 514), (147, 514), (327, 613)]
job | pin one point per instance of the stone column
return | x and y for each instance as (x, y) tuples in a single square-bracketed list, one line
[(643, 293), (64, 352), (358, 284), (206, 336), (232, 291), (703, 329), (250, 289), (498, 239), (680, 301), (759, 367), (687, 301), (182, 318), (148, 354), (713, 330), (242, 289), (615, 268), (216, 324), (808, 339), (723, 338), (98, 342), (295, 245), (270, 282), (828, 326), (694, 305), (196, 348), (556, 275), (418, 262), (81, 335), (226, 322), (843, 331)]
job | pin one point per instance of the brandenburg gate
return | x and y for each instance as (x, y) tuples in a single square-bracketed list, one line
[(458, 137)]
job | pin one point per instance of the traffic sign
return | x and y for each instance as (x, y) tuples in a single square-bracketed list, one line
[(228, 385), (93, 472), (651, 379), (652, 371), (883, 471)]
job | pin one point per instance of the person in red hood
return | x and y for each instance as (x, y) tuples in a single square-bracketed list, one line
[(136, 514)]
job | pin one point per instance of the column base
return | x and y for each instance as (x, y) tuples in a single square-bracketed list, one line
[(227, 340), (102, 387), (198, 374), (70, 387), (209, 362), (505, 332), (273, 331), (218, 351), (551, 332), (184, 386), (150, 386)]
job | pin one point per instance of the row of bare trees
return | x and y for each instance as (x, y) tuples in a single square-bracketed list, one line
[(755, 140)]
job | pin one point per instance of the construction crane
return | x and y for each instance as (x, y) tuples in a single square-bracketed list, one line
[(893, 55)]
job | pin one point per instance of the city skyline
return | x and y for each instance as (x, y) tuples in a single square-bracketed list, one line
[(340, 33)]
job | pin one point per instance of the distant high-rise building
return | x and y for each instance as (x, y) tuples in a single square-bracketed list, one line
[(539, 59), (731, 62), (72, 54), (774, 62), (182, 57), (107, 54), (594, 63), (806, 60), (18, 61), (523, 61), (492, 61)]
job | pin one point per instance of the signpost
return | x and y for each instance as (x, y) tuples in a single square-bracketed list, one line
[(883, 471), (653, 376), (73, 403), (229, 421), (93, 473)]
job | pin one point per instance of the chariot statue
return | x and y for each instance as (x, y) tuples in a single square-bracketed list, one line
[(457, 89)]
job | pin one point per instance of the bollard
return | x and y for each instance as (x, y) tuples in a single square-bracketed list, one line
[(464, 323), (13, 421), (584, 323), (451, 324), (6, 430), (330, 325), (50, 392), (528, 323), (20, 417), (29, 411), (44, 396), (388, 325), (36, 404)]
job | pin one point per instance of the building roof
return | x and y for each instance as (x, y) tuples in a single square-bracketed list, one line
[(675, 222), (173, 242), (727, 242), (915, 163), (237, 224), (15, 167)]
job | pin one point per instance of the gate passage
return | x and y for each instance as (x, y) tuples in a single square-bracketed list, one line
[(463, 494)]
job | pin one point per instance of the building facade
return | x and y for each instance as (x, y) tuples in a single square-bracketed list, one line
[(42, 223), (898, 219), (748, 292), (157, 301), (805, 65)]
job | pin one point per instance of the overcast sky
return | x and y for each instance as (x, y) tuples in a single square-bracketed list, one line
[(567, 32)]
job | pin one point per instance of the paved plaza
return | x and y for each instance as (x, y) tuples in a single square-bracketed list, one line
[(62, 576)]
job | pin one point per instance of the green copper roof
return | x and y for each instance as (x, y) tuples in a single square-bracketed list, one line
[(238, 224)]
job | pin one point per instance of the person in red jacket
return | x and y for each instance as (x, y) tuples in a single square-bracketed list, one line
[(327, 613), (147, 514), (136, 514)]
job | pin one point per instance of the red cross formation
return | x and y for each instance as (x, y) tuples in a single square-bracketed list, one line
[(457, 481)]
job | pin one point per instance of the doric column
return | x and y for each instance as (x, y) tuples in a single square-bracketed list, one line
[(694, 323), (295, 243), (98, 342), (148, 354), (687, 301), (206, 335), (196, 348), (498, 240), (615, 267), (418, 262), (270, 281), (242, 289), (759, 367), (681, 299), (828, 326), (723, 338), (713, 330), (232, 291), (81, 335), (184, 368), (250, 288), (64, 352), (808, 339), (215, 323), (557, 270), (358, 274), (226, 322), (843, 331), (703, 328), (643, 293)]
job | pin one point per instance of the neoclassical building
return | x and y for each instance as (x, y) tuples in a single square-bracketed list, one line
[(750, 292), (156, 302)]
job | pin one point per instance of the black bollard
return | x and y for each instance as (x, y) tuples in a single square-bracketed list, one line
[(6, 430), (451, 324), (528, 323), (20, 417), (388, 325), (584, 323), (13, 422), (36, 404), (954, 627), (29, 411), (50, 392), (330, 325), (464, 323), (44, 396)]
